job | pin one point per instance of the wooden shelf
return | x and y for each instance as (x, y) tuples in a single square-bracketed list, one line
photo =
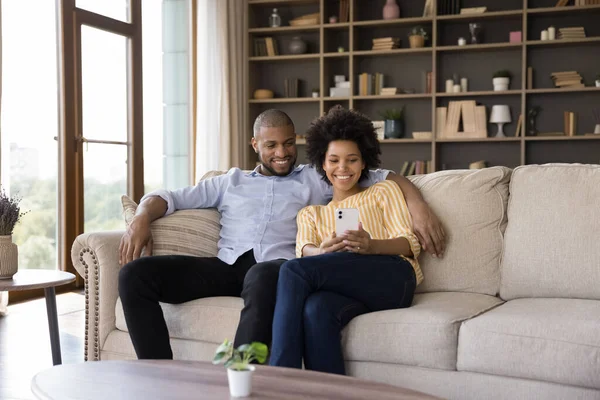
[(287, 100), (284, 29), (486, 15), (473, 140), (370, 53), (565, 90), (557, 138), (329, 98), (484, 46), (480, 93), (394, 96), (559, 42), (398, 21), (336, 54), (562, 10), (337, 25), (290, 57)]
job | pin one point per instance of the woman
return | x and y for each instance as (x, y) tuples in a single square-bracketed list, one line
[(337, 278)]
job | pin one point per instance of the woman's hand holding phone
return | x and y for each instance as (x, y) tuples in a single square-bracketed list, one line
[(332, 244), (358, 241)]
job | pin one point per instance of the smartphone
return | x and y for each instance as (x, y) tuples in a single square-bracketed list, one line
[(346, 219)]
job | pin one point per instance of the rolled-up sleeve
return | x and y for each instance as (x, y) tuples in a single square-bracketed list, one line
[(307, 230), (206, 194)]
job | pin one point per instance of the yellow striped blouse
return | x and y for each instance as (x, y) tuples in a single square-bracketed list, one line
[(383, 213)]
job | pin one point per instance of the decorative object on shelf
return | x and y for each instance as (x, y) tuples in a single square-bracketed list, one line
[(473, 10), (575, 32), (428, 9), (475, 30), (342, 87), (501, 80), (567, 79), (391, 10), (570, 123), (515, 37), (290, 87), (500, 115), (388, 91), (315, 93), (473, 117), (304, 20), (237, 361), (261, 94), (394, 123), (596, 114), (10, 214), (531, 114), (544, 35), (478, 164), (551, 33), (297, 45), (275, 19), (333, 19), (456, 89), (341, 49), (379, 129), (598, 80), (417, 37), (462, 41), (386, 43), (422, 135), (449, 85), (464, 85)]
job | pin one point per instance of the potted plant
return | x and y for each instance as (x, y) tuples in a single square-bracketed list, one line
[(394, 123), (598, 80), (417, 37), (237, 361), (501, 80), (315, 92), (10, 214)]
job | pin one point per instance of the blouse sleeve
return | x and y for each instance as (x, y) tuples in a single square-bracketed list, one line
[(396, 217), (307, 230)]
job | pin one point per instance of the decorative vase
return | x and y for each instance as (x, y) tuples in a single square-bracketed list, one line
[(297, 45), (500, 84), (9, 257), (597, 129), (597, 82), (416, 41), (475, 29), (393, 129), (240, 382), (391, 10)]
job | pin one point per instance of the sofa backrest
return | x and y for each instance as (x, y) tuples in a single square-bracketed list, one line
[(471, 205), (552, 241)]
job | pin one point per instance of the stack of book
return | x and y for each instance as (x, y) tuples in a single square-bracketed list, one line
[(576, 32), (344, 10), (570, 123), (370, 84), (567, 79), (266, 46), (386, 43), (388, 91), (467, 114), (416, 167), (290, 88)]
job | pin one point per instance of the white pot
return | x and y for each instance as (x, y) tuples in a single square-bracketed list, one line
[(240, 382), (315, 94), (500, 84), (9, 257), (598, 83)]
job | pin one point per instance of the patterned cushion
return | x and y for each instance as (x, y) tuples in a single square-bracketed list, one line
[(185, 232)]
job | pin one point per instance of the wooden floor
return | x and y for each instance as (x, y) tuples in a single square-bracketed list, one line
[(25, 341)]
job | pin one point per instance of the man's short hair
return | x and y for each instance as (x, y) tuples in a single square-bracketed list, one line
[(271, 118)]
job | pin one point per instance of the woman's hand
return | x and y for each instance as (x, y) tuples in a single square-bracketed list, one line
[(358, 241), (332, 244)]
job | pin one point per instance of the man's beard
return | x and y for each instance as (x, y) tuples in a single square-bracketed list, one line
[(272, 171)]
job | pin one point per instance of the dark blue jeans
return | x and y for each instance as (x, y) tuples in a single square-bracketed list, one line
[(317, 296)]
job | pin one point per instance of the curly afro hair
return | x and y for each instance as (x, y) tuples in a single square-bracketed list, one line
[(342, 124)]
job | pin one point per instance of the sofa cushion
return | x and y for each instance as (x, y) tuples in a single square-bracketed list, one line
[(554, 340), (211, 319), (185, 232), (424, 334), (471, 204), (552, 238)]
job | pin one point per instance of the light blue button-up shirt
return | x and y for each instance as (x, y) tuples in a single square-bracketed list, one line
[(258, 212)]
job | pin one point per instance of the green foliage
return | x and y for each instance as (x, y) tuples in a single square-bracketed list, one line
[(238, 359), (418, 30), (503, 73), (393, 114)]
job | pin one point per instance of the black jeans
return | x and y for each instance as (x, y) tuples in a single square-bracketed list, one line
[(145, 282)]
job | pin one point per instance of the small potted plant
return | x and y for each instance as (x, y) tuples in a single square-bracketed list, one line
[(417, 37), (237, 361), (501, 80), (315, 93), (394, 123), (598, 80), (10, 214)]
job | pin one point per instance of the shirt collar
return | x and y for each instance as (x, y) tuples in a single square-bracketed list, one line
[(256, 171)]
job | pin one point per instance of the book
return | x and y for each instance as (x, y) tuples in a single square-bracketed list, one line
[(440, 120), (519, 126)]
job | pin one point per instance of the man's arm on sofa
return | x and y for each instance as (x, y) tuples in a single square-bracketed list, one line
[(94, 256), (426, 225), (138, 235)]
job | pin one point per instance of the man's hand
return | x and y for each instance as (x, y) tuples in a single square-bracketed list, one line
[(332, 244), (136, 237), (428, 229), (358, 241)]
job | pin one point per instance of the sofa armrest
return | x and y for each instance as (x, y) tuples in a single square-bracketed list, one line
[(95, 257)]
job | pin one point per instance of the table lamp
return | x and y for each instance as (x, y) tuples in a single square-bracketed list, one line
[(500, 115)]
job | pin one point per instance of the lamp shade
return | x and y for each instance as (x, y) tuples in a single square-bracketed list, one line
[(500, 114)]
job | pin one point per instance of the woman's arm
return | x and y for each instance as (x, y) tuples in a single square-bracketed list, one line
[(360, 242)]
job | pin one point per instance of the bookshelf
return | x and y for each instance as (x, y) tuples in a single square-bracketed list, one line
[(443, 57)]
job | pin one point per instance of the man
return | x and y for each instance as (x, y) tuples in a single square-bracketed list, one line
[(258, 233)]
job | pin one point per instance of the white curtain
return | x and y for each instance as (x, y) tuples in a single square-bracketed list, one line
[(220, 112), (3, 295)]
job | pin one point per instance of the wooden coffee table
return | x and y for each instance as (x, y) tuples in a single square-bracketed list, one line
[(125, 380), (27, 279)]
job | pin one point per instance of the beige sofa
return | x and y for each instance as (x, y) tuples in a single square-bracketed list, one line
[(512, 311)]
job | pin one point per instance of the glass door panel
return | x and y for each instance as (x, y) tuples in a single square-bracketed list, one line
[(117, 9)]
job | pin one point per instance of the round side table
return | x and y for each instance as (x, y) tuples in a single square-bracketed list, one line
[(47, 279)]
